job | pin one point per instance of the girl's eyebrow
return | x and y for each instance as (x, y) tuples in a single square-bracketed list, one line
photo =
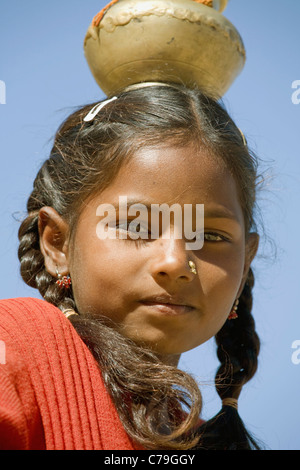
[(131, 202), (220, 213), (215, 213)]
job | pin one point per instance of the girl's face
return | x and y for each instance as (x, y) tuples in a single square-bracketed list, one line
[(146, 286)]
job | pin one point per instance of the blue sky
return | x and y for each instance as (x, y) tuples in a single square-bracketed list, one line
[(43, 67)]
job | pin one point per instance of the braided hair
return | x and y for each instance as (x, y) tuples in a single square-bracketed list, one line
[(86, 155), (237, 350)]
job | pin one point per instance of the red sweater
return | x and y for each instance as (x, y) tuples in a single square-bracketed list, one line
[(52, 395)]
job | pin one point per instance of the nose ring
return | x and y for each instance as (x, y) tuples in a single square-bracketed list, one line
[(192, 267)]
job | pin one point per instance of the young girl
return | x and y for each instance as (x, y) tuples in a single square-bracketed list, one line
[(94, 364)]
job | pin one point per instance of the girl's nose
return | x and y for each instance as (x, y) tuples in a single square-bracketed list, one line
[(171, 261)]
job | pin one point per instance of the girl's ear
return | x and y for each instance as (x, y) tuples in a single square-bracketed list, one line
[(53, 234), (251, 248)]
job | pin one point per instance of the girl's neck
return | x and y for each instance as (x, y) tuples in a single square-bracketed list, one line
[(169, 359)]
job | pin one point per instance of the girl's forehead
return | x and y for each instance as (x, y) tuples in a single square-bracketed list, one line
[(174, 175), (173, 170)]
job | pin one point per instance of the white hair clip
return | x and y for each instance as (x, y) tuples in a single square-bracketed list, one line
[(96, 109)]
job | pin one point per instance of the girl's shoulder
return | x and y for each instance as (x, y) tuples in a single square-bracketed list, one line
[(51, 389), (26, 304), (29, 313), (33, 329)]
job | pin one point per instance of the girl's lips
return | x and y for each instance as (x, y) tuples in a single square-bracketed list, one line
[(167, 309)]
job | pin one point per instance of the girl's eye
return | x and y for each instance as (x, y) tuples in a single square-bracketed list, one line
[(133, 227), (214, 237)]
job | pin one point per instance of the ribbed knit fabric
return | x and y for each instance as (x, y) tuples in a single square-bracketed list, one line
[(52, 395)]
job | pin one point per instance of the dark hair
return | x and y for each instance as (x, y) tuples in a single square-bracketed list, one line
[(85, 154)]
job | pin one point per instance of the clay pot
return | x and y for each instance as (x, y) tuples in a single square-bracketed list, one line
[(178, 41)]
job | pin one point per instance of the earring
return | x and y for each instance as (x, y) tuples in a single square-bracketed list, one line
[(192, 267), (63, 281), (233, 315)]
